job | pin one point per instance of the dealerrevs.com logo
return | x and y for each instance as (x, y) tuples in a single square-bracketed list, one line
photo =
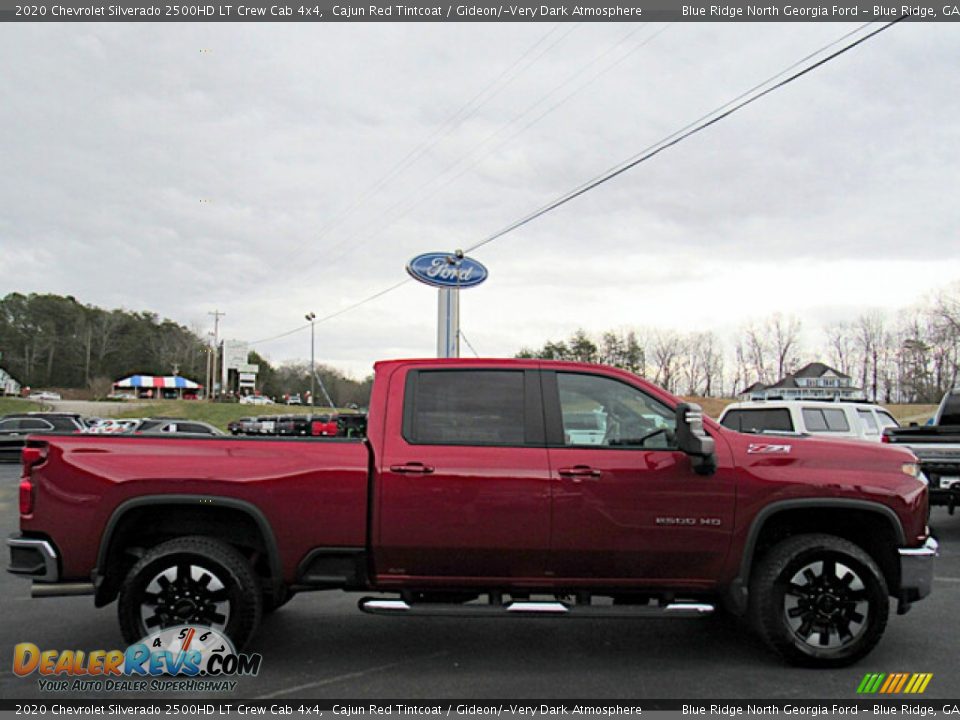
[(180, 659)]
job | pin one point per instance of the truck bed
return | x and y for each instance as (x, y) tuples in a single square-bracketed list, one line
[(298, 485)]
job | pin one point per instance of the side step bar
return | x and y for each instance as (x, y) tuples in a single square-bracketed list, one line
[(381, 606)]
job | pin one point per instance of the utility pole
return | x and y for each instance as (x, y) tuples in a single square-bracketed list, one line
[(313, 368), (216, 344)]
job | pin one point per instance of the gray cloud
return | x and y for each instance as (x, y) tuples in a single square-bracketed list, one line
[(180, 168)]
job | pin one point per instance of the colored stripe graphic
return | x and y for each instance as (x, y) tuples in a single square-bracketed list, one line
[(894, 683)]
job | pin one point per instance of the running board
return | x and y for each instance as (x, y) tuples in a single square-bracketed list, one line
[(381, 606)]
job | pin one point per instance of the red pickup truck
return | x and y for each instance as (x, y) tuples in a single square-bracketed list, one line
[(489, 487)]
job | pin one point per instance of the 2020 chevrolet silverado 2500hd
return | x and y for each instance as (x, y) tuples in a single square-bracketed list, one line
[(476, 491), (938, 448)]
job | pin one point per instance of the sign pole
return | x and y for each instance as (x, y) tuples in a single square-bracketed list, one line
[(448, 322)]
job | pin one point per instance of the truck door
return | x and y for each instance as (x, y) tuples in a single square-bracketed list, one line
[(626, 504), (463, 484)]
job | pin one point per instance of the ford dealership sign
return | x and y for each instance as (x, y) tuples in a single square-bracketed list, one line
[(446, 270)]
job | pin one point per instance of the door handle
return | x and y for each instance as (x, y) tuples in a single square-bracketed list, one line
[(580, 471), (412, 467)]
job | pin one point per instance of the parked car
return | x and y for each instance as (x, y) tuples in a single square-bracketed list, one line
[(44, 396), (15, 428), (175, 426), (324, 425), (294, 400), (938, 448), (235, 427), (111, 426), (470, 498), (352, 425), (121, 396), (859, 421), (255, 400)]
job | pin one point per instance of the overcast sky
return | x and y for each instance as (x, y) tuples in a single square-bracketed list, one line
[(265, 170)]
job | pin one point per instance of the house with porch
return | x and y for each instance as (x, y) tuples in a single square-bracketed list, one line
[(814, 381)]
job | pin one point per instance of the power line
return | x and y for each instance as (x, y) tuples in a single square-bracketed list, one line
[(491, 90), (651, 151), (692, 129), (332, 315), (444, 177)]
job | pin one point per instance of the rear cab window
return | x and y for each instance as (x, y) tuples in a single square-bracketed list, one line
[(759, 420)]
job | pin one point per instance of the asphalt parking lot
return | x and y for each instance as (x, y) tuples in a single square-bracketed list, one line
[(321, 646)]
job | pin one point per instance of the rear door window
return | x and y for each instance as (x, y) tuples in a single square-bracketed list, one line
[(825, 420), (35, 424), (465, 407), (758, 420)]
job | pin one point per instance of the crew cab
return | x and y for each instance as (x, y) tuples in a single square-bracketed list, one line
[(478, 490), (938, 448)]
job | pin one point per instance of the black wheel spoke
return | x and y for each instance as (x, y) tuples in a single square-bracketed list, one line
[(806, 628), (204, 580), (183, 571), (847, 579), (809, 575), (218, 617), (153, 621), (843, 628), (796, 590), (796, 612), (855, 616), (824, 636), (830, 569), (164, 583)]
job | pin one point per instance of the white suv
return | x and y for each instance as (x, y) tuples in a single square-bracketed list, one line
[(856, 421)]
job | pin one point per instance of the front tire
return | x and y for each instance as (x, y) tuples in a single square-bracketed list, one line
[(191, 580), (819, 601)]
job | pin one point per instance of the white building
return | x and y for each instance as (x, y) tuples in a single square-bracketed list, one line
[(8, 386), (815, 381)]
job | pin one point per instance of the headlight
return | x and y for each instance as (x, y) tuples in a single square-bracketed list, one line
[(911, 469)]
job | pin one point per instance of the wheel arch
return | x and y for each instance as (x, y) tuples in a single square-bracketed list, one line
[(821, 515), (235, 521)]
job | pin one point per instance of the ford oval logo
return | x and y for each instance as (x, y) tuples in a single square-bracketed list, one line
[(444, 270)]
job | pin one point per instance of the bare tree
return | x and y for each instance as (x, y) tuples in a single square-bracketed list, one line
[(667, 347), (869, 331), (840, 343), (784, 333)]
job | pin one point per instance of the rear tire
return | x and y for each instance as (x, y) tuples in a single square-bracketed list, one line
[(819, 601), (191, 580)]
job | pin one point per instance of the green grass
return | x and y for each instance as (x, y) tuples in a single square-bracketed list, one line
[(217, 414), (16, 405)]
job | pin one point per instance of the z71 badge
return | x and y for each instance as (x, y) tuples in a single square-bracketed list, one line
[(768, 449)]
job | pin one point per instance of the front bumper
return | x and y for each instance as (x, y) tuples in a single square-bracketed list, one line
[(33, 557), (916, 571)]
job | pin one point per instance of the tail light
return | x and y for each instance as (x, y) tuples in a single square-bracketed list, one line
[(885, 438), (316, 428), (31, 456), (26, 496)]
